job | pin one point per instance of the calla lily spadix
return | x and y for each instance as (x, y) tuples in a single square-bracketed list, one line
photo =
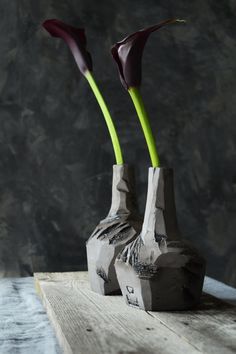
[(128, 56), (76, 40)]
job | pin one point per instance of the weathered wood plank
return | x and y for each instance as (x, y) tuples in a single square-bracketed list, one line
[(211, 328), (86, 322)]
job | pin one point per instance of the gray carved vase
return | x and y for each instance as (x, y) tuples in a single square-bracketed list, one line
[(120, 227), (158, 271)]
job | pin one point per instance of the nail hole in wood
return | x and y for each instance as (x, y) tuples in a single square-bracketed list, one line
[(186, 323)]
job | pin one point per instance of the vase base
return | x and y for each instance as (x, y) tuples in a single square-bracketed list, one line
[(173, 282)]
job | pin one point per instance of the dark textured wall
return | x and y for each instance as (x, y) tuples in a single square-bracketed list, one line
[(55, 154)]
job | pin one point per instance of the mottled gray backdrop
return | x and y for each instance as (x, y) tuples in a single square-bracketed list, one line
[(55, 154)]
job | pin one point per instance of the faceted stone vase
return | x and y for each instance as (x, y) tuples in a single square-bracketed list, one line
[(158, 271), (120, 227)]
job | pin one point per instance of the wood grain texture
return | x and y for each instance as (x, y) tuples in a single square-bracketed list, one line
[(86, 322)]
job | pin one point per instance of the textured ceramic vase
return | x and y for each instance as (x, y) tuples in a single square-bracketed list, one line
[(121, 226), (158, 271)]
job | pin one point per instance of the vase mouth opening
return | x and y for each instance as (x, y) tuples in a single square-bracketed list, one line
[(120, 165), (123, 166), (164, 168)]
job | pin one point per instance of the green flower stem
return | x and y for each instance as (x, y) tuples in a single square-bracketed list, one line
[(144, 120), (107, 116)]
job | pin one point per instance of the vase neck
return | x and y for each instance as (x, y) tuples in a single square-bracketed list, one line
[(160, 220), (123, 191)]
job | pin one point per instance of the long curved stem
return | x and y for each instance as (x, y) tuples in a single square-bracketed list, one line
[(107, 116), (144, 120)]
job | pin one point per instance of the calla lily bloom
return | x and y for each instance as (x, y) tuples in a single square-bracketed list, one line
[(76, 40), (128, 56)]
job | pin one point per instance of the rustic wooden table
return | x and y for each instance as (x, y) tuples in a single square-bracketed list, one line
[(88, 323)]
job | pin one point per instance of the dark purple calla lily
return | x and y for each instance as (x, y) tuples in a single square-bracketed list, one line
[(75, 39), (128, 54)]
